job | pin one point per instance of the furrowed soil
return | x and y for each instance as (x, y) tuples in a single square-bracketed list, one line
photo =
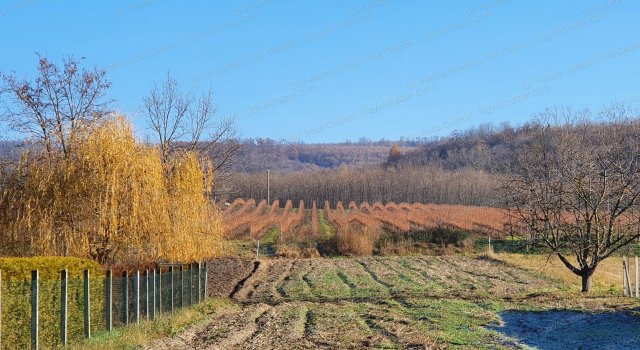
[(417, 302), (225, 274)]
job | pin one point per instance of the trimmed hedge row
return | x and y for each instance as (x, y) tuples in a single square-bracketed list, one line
[(16, 299)]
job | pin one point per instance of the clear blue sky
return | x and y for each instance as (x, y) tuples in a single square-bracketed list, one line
[(333, 70)]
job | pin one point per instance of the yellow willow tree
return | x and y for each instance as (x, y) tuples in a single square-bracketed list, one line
[(111, 199)]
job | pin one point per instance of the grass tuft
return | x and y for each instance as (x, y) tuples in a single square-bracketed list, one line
[(143, 334)]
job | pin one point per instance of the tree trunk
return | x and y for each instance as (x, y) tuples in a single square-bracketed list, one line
[(586, 281)]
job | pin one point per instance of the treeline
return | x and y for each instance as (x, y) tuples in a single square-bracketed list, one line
[(373, 184), (465, 168), (495, 149), (259, 154), (486, 147)]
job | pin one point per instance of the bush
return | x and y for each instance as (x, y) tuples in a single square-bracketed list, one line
[(356, 240), (441, 236), (443, 241), (446, 236), (16, 299)]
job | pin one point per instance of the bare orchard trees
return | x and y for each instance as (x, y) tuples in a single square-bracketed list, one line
[(576, 186), (373, 184)]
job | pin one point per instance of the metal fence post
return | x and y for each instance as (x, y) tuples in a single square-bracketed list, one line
[(34, 309), (191, 284), (199, 291), (624, 281), (625, 276), (159, 289), (206, 282), (637, 278), (181, 286), (64, 275), (125, 298), (153, 295), (109, 301), (87, 305), (171, 287), (146, 294), (136, 297)]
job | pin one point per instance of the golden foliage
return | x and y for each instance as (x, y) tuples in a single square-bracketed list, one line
[(113, 200), (49, 267)]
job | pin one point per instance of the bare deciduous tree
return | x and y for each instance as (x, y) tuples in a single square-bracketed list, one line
[(576, 186), (181, 121), (60, 102), (166, 110)]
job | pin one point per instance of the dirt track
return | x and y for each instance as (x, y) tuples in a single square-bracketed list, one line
[(354, 303)]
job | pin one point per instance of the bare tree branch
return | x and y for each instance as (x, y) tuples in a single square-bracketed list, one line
[(56, 105), (576, 184), (181, 121)]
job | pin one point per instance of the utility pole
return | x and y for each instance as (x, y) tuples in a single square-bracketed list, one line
[(268, 187)]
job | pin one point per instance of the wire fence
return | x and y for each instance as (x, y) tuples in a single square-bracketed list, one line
[(49, 313)]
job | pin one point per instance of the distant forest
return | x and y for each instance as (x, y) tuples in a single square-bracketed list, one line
[(467, 167), (257, 155), (483, 147), (463, 168)]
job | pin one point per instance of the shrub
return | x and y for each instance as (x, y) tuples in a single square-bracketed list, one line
[(16, 298), (356, 240), (441, 236), (450, 236), (111, 199)]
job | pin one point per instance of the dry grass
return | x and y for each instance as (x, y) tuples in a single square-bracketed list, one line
[(608, 275), (295, 250), (357, 241), (138, 336), (401, 247)]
